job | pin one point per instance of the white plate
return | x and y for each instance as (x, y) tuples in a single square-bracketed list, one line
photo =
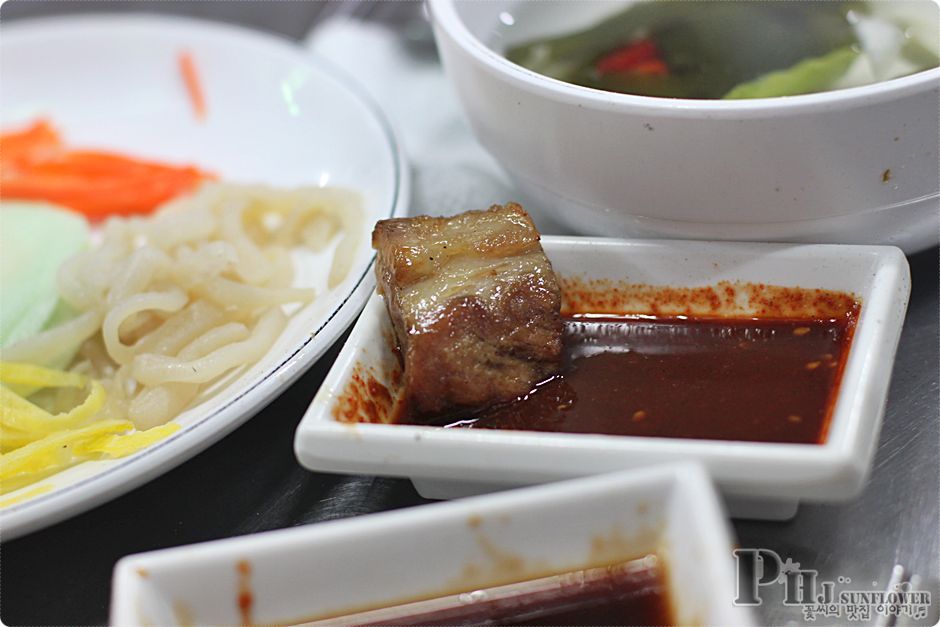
[(421, 552), (275, 115), (762, 480)]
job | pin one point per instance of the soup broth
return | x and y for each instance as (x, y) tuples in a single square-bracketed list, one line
[(717, 49)]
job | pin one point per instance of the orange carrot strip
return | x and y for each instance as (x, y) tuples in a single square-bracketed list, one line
[(102, 196), (193, 86), (93, 163), (34, 165), (34, 142)]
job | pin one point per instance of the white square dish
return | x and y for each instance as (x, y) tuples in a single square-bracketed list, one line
[(760, 480), (330, 569)]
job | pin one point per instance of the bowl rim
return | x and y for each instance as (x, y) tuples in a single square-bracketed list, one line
[(444, 16)]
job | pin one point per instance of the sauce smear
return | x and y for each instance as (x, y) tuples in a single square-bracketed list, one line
[(757, 380), (633, 593)]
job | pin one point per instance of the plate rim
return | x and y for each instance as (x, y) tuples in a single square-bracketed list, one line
[(49, 508)]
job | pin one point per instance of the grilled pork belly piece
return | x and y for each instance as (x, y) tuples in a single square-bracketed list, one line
[(475, 307)]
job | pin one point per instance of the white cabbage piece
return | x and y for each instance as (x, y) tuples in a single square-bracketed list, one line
[(886, 34)]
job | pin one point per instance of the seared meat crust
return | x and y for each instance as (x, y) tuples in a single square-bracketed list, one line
[(475, 307)]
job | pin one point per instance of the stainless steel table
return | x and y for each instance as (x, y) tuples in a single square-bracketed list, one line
[(250, 481)]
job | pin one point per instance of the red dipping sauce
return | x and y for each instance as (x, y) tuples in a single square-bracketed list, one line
[(757, 380), (673, 362)]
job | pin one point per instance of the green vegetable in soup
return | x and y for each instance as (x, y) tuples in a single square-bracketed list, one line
[(805, 77)]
